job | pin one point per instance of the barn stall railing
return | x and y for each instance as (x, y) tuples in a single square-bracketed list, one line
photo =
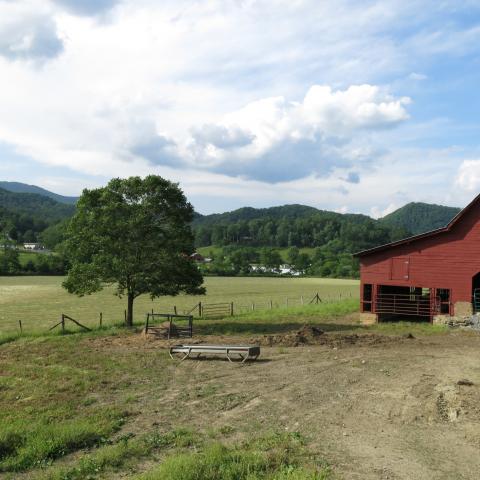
[(406, 304)]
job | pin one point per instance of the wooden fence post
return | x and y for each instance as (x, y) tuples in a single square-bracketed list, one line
[(301, 299), (231, 309), (253, 306), (101, 319), (199, 309), (175, 309), (20, 324), (63, 323), (125, 316), (271, 304)]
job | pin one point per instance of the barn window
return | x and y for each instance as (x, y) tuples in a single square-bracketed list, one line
[(367, 298), (400, 268)]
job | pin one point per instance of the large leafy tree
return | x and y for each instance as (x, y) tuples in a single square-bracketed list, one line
[(135, 234)]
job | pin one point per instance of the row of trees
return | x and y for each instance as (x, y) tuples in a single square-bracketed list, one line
[(324, 261), (41, 264)]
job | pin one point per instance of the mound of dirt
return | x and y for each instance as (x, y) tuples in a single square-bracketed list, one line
[(307, 335), (310, 335)]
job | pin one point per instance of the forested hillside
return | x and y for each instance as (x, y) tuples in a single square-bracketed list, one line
[(251, 236), (420, 217), (292, 225), (318, 242), (23, 216)]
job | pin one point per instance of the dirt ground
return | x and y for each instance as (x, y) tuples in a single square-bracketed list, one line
[(374, 407)]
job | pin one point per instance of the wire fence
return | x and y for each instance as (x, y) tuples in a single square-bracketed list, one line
[(28, 324)]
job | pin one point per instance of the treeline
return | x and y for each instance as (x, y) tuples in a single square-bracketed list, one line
[(324, 262), (38, 264)]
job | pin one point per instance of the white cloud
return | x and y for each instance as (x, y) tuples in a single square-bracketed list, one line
[(417, 76), (274, 140), (468, 176), (377, 212)]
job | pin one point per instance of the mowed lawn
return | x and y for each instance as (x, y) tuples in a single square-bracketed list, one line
[(39, 301)]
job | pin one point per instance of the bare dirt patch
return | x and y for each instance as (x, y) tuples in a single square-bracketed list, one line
[(375, 406)]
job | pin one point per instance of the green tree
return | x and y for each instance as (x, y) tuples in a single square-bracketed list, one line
[(292, 255), (9, 258), (270, 259), (134, 234)]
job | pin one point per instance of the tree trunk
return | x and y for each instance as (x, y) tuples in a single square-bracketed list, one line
[(130, 298)]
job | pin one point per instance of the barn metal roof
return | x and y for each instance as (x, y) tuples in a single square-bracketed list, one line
[(431, 233)]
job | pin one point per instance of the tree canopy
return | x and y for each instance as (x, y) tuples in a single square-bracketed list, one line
[(135, 234)]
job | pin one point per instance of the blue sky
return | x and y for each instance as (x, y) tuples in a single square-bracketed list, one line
[(353, 106)]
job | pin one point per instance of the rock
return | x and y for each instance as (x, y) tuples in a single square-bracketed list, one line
[(466, 382)]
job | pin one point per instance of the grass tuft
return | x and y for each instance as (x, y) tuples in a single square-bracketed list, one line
[(24, 445), (275, 457)]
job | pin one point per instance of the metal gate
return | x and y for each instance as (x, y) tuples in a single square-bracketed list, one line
[(476, 300)]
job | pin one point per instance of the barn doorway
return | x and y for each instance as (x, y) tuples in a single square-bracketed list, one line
[(476, 292)]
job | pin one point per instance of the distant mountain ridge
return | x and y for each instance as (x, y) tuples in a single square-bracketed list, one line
[(414, 217), (251, 213), (295, 224), (418, 217), (17, 187)]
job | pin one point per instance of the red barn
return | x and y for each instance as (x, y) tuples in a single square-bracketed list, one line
[(434, 276)]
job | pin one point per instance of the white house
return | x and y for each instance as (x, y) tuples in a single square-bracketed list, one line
[(33, 246)]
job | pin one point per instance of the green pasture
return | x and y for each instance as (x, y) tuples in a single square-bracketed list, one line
[(39, 301)]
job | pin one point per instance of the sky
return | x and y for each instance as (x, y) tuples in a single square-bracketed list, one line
[(346, 105)]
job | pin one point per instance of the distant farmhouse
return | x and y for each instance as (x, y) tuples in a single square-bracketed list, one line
[(433, 276), (282, 270), (33, 246)]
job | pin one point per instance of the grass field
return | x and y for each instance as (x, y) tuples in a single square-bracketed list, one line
[(39, 301), (352, 402)]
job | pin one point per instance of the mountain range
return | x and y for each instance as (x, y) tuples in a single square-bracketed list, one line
[(28, 208), (17, 187)]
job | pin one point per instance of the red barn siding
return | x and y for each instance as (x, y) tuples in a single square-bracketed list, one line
[(446, 259)]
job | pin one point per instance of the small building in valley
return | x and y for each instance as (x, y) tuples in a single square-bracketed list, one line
[(33, 246), (433, 276)]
